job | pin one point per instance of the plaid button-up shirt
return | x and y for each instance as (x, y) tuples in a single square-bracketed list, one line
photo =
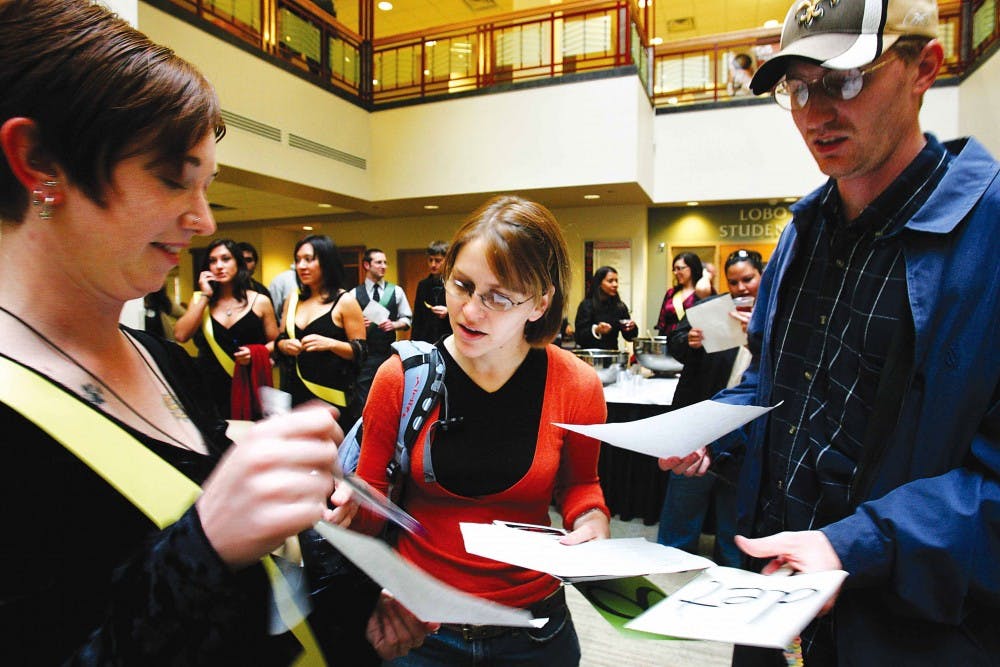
[(840, 305)]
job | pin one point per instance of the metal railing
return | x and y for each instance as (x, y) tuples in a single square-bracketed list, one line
[(708, 69), (541, 43), (517, 47)]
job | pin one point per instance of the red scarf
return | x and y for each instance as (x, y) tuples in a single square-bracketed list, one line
[(244, 402)]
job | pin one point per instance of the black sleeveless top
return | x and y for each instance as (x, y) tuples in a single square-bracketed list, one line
[(324, 368), (248, 330)]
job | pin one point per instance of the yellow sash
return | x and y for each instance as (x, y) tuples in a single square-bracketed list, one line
[(155, 487), (679, 305), (227, 362), (328, 394)]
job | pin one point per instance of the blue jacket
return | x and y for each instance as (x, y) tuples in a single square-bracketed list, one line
[(923, 546)]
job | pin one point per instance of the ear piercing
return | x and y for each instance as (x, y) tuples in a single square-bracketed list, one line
[(45, 202)]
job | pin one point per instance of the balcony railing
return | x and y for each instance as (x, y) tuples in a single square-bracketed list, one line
[(541, 43)]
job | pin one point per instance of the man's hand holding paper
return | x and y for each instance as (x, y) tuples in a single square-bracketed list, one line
[(718, 330)]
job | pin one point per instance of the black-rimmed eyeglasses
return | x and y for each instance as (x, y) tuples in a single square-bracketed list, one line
[(492, 300), (839, 84)]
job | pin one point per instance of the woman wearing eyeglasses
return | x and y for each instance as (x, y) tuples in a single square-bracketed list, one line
[(687, 272), (501, 457), (688, 499)]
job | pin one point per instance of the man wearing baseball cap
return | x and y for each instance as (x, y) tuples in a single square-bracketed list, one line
[(875, 328)]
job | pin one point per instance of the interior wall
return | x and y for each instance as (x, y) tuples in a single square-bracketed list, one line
[(978, 101), (754, 152), (551, 136)]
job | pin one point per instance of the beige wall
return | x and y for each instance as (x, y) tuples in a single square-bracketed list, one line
[(978, 102), (552, 136)]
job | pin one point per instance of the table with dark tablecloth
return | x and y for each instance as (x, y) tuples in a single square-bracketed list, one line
[(633, 484)]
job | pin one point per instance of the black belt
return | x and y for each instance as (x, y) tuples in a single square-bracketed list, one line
[(541, 609)]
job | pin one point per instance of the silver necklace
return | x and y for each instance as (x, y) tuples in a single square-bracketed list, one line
[(94, 394)]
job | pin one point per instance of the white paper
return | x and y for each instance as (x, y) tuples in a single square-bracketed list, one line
[(598, 559), (376, 312), (675, 433), (427, 598), (719, 331), (728, 605)]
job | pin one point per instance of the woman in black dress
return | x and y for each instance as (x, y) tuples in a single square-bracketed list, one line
[(323, 330), (603, 314), (225, 318)]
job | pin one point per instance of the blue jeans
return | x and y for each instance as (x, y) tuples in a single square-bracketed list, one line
[(683, 516), (553, 645)]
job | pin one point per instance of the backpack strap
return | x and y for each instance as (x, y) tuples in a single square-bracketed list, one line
[(423, 384)]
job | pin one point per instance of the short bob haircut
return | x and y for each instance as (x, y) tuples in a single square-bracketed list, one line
[(99, 91), (330, 265), (526, 251), (241, 281)]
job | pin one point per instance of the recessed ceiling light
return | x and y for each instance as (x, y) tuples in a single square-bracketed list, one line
[(692, 203), (385, 5), (431, 207), (325, 205), (656, 41), (591, 196), (307, 228)]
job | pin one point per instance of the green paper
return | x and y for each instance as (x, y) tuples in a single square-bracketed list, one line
[(621, 600)]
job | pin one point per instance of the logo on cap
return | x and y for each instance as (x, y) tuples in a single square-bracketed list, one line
[(810, 10)]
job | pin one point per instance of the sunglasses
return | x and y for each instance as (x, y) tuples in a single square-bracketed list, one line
[(792, 94)]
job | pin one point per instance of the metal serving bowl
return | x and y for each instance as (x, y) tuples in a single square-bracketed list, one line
[(607, 363), (652, 354)]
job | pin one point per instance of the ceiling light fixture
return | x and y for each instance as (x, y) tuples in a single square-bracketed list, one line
[(307, 228), (591, 196), (656, 41), (385, 5), (431, 207), (325, 205), (692, 203), (771, 23)]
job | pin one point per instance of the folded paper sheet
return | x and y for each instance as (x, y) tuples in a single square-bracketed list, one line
[(728, 605), (719, 331), (427, 598), (376, 313), (675, 433), (599, 559)]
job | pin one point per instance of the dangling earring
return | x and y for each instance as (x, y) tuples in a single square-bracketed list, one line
[(43, 201)]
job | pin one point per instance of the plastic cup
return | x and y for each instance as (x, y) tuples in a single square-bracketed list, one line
[(743, 303)]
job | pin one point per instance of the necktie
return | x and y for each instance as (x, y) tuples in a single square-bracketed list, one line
[(375, 293)]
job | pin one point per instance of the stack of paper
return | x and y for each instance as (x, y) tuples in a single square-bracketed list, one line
[(599, 559), (738, 607)]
